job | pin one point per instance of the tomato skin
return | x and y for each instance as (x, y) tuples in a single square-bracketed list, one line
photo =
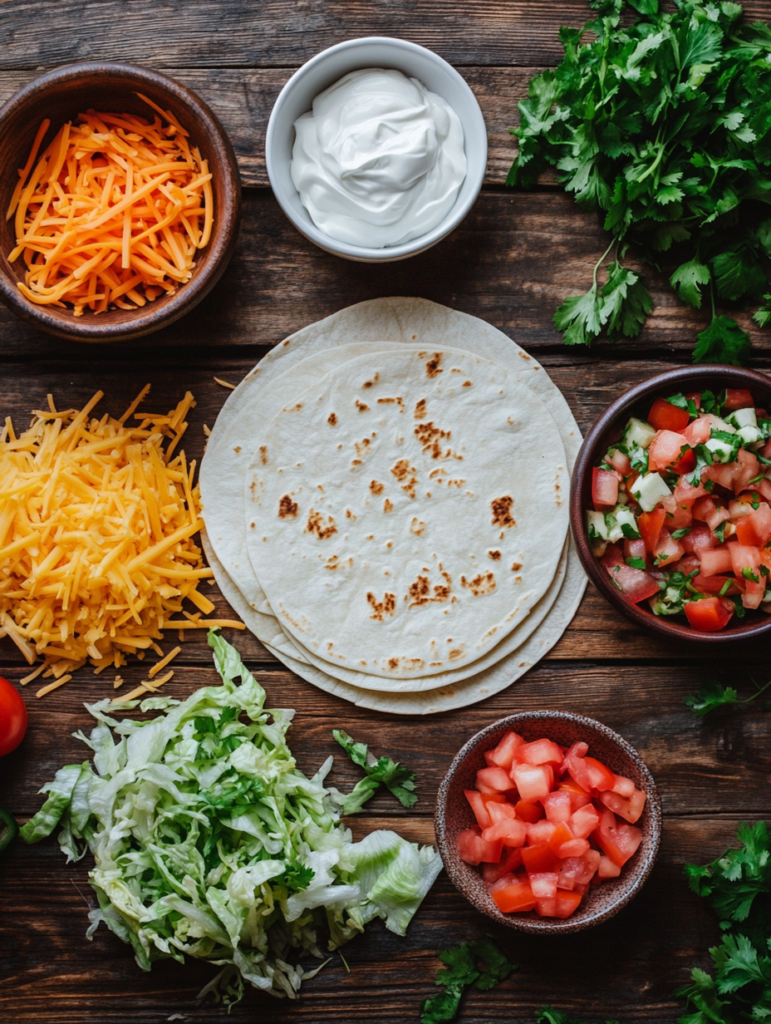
[(515, 897), (649, 524), (709, 615), (738, 398), (604, 489), (13, 717), (530, 811), (665, 416), (665, 450)]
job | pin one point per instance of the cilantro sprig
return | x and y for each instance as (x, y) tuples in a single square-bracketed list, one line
[(479, 964), (664, 126), (714, 695), (400, 781)]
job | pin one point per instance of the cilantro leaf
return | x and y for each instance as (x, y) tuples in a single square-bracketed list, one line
[(480, 964), (714, 695), (687, 281), (579, 318), (722, 342), (400, 781)]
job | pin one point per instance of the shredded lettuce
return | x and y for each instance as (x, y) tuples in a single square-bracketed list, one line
[(208, 840)]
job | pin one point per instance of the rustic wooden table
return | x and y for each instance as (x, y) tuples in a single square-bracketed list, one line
[(511, 261)]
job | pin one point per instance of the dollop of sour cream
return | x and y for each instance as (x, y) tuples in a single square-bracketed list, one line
[(379, 160)]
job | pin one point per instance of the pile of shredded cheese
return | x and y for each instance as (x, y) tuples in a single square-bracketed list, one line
[(113, 213), (97, 520)]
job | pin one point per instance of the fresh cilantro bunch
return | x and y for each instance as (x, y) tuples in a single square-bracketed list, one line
[(397, 779), (479, 964), (665, 126), (738, 888)]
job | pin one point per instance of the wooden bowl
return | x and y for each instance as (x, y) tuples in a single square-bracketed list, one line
[(453, 815), (63, 94), (608, 427)]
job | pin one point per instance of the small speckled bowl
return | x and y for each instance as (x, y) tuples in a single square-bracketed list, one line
[(453, 815)]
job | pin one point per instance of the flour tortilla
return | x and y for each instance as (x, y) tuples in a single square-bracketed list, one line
[(398, 511), (452, 695), (401, 322)]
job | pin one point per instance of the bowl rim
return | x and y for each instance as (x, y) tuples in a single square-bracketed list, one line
[(361, 253), (222, 155), (731, 375), (551, 926)]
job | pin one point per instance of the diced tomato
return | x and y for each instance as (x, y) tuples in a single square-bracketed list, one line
[(753, 593), (602, 778), (557, 806), (608, 868), (509, 830), (649, 524), (584, 821), (666, 449), (763, 487), (539, 858), (562, 905), (667, 550), (686, 491), (617, 841), (699, 539), (503, 754), (623, 786), (748, 469), (530, 811), (686, 464), (544, 884), (665, 416), (501, 812), (635, 584), (578, 870), (510, 861), (478, 807), (738, 398), (619, 462), (573, 848), (755, 529), (559, 837), (635, 549), (695, 397), (698, 432), (495, 778), (744, 556), (715, 584), (710, 614), (716, 560), (604, 489), (540, 832), (540, 752), (725, 475), (679, 515), (517, 897), (574, 763), (473, 849), (630, 808), (533, 781), (578, 796), (687, 565)]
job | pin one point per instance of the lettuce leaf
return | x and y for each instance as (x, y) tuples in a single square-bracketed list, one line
[(209, 842)]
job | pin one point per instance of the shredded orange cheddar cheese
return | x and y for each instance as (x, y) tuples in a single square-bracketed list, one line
[(97, 528), (113, 213)]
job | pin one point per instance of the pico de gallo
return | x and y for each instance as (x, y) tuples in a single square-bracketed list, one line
[(682, 508), (551, 822)]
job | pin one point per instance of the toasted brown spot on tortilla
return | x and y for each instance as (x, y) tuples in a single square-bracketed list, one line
[(516, 566), (376, 487), (501, 509), (392, 401), (420, 409), (523, 355), (287, 509), (455, 653), (322, 527), (494, 554), (381, 608), (466, 384), (388, 505), (369, 383), (433, 366), (263, 454), (429, 437), (332, 419), (349, 514), (332, 563), (417, 526), (361, 406), (237, 449), (482, 584), (406, 475)]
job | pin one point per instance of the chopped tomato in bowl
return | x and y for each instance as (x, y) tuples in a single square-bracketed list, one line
[(548, 821), (685, 548)]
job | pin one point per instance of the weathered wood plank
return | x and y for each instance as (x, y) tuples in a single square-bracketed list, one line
[(645, 954), (512, 261), (702, 766)]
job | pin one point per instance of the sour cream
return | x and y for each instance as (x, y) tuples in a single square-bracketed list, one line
[(379, 160)]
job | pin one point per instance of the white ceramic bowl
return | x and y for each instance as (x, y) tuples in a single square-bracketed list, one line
[(324, 70)]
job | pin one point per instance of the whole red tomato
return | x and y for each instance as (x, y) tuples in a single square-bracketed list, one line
[(13, 718)]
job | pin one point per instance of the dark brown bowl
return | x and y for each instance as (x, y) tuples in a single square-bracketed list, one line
[(63, 94), (453, 815), (608, 428)]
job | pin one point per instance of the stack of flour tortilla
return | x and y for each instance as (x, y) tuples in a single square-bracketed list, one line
[(386, 506)]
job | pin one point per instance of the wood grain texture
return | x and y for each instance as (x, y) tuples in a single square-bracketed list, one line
[(512, 261)]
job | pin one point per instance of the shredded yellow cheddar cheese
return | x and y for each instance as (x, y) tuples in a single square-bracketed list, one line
[(97, 525)]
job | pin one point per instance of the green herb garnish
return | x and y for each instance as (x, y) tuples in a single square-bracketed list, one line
[(479, 964), (636, 563), (394, 776), (748, 574), (714, 695)]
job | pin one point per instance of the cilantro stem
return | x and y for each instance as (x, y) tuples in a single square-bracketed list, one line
[(757, 693), (599, 263)]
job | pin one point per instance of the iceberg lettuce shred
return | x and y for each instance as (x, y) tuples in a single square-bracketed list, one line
[(208, 840)]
